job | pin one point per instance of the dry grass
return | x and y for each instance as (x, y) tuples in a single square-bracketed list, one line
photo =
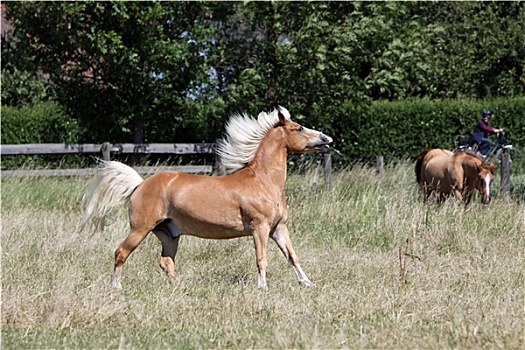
[(390, 272)]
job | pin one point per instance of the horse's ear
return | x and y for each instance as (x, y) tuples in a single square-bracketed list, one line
[(490, 167), (282, 118)]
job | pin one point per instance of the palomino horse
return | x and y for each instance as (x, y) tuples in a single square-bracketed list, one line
[(443, 173), (248, 201)]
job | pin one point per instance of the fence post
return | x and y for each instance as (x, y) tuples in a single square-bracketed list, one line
[(380, 166), (505, 175), (327, 160), (106, 151), (106, 155)]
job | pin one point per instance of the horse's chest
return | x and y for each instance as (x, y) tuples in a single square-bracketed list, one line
[(277, 207), (279, 212), (270, 210)]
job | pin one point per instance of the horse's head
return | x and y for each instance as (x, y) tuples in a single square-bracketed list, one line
[(299, 138), (484, 179)]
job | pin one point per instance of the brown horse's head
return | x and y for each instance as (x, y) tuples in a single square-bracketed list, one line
[(484, 178), (299, 138)]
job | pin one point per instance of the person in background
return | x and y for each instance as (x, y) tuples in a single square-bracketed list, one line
[(481, 131)]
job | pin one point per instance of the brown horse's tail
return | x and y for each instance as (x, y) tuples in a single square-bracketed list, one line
[(112, 187), (419, 164)]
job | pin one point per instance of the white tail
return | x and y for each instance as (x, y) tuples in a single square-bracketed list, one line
[(112, 187)]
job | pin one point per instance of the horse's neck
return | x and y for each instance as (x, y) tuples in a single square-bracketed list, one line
[(470, 164), (269, 161)]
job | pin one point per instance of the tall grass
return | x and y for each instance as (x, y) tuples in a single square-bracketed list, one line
[(390, 272)]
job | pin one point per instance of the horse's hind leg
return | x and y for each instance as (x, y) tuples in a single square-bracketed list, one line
[(170, 246), (122, 253), (281, 236)]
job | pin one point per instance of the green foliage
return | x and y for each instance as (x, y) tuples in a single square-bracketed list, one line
[(361, 131), (315, 58), (398, 130), (22, 87), (175, 71), (118, 67), (37, 123), (473, 52)]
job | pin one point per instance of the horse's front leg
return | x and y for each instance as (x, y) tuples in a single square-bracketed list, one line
[(467, 195), (281, 236), (260, 238), (457, 191)]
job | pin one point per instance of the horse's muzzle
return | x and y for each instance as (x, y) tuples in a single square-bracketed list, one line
[(324, 141), (485, 200), (320, 143)]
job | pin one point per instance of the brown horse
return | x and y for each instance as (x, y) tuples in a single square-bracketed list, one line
[(248, 201), (443, 173)]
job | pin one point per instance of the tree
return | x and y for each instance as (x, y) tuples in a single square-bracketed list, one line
[(117, 66), (477, 48), (174, 71), (19, 87)]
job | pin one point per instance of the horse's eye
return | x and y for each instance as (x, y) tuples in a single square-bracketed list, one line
[(300, 129)]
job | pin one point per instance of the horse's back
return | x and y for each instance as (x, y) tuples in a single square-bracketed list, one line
[(432, 160), (171, 183), (437, 163), (438, 153)]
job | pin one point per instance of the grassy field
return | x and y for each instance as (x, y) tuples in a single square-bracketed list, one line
[(390, 273)]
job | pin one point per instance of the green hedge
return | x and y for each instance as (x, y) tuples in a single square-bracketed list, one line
[(40, 123), (400, 130), (395, 130), (44, 122)]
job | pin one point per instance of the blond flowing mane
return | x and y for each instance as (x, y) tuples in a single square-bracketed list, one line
[(243, 135)]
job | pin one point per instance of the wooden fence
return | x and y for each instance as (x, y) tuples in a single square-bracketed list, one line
[(106, 149)]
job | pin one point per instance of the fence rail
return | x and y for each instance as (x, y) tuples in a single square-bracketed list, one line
[(197, 169), (79, 148), (106, 149)]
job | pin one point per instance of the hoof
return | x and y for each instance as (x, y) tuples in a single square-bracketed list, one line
[(307, 284)]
